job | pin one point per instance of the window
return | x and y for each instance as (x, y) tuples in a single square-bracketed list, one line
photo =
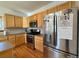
[(1, 24)]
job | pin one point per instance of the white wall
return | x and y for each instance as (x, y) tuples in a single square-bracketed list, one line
[(9, 11)]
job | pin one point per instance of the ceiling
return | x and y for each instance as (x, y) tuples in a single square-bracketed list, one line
[(24, 6)]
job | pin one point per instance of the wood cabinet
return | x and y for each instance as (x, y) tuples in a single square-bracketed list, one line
[(66, 5), (11, 39), (16, 40), (9, 21), (30, 18), (25, 38), (13, 21), (20, 39), (39, 43), (3, 39), (40, 18), (35, 17), (18, 21), (25, 22)]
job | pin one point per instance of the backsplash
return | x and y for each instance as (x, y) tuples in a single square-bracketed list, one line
[(15, 31)]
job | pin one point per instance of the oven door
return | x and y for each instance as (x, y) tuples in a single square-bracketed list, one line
[(30, 41)]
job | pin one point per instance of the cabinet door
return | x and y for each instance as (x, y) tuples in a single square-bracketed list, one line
[(20, 39), (39, 43), (43, 14), (11, 39), (39, 19), (35, 17), (25, 22), (3, 39), (9, 21), (18, 21)]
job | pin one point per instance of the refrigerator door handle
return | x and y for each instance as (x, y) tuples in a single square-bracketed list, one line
[(55, 31)]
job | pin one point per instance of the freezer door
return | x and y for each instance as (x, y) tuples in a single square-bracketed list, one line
[(67, 32)]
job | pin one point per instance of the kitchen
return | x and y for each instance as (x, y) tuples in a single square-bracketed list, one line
[(45, 33)]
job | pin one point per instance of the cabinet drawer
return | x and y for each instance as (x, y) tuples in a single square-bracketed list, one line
[(39, 38), (3, 38), (11, 39)]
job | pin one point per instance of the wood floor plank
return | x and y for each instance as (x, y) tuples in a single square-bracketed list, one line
[(25, 52)]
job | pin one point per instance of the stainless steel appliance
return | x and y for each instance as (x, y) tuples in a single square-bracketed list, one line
[(61, 29), (30, 36), (33, 24), (30, 41), (33, 31)]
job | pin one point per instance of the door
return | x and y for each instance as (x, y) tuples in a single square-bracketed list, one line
[(64, 34), (18, 21), (20, 39), (67, 31), (49, 28), (1, 23), (9, 21)]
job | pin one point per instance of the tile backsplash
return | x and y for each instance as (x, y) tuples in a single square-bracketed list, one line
[(15, 31)]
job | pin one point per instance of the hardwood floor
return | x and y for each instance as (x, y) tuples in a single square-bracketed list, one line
[(24, 52)]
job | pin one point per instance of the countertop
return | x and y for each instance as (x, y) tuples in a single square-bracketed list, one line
[(2, 36), (16, 33), (5, 46)]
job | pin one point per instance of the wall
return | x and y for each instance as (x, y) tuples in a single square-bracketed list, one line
[(9, 11)]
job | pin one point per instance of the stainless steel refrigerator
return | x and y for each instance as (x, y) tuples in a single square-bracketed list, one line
[(61, 31)]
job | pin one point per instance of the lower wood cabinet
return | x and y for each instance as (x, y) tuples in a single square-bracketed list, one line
[(20, 39), (11, 39), (39, 43), (3, 39), (16, 40)]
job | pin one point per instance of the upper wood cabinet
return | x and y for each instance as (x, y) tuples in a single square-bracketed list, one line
[(18, 21), (40, 18), (9, 21), (30, 18), (12, 21), (44, 13), (36, 17), (25, 22), (66, 5)]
